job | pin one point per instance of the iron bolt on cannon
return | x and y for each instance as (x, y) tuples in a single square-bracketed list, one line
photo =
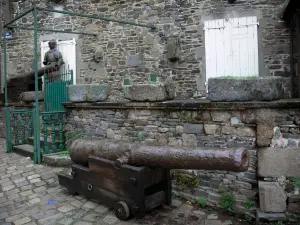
[(135, 178)]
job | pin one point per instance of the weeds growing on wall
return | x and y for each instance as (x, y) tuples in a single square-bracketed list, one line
[(187, 180), (70, 137), (249, 204), (227, 202)]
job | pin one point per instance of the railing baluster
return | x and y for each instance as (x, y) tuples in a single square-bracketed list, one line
[(15, 116), (23, 127), (45, 119), (52, 118), (61, 132), (30, 123)]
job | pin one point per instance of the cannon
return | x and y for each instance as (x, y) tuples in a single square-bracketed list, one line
[(26, 82), (134, 178)]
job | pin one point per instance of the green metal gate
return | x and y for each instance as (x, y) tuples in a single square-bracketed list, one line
[(55, 94), (56, 89)]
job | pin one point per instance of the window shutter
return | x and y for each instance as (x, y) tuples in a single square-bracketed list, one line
[(231, 47)]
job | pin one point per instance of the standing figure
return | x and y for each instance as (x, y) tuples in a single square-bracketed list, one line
[(54, 57)]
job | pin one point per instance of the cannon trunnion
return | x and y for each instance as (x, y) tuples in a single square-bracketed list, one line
[(130, 190)]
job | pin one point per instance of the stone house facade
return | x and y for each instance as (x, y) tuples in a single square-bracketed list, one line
[(135, 52), (265, 129)]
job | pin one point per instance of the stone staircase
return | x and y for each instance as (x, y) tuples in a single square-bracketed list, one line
[(27, 150)]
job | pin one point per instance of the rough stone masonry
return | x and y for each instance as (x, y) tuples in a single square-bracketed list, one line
[(136, 52)]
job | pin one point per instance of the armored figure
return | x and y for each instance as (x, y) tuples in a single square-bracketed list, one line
[(53, 56)]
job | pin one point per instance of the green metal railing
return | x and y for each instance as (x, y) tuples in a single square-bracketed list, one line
[(19, 127), (56, 88), (53, 122)]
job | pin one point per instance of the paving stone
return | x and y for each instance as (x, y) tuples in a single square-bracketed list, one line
[(4, 215), (92, 217), (51, 220), (227, 222), (101, 209), (213, 222), (66, 221), (35, 180), (66, 208), (110, 219), (34, 176), (82, 223), (26, 193), (212, 217), (13, 218), (22, 221), (176, 203), (90, 205), (8, 188), (77, 203)]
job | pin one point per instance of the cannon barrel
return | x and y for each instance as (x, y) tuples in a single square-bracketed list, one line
[(235, 160), (31, 74)]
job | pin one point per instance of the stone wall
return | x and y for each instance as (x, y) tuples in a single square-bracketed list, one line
[(209, 125), (136, 52)]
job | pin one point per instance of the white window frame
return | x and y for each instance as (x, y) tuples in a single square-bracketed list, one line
[(231, 47)]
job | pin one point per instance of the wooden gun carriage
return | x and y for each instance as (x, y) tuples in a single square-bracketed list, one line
[(134, 179)]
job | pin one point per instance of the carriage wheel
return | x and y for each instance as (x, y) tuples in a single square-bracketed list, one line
[(122, 211)]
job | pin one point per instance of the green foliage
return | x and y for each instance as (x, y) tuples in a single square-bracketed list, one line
[(248, 219), (202, 202), (139, 137), (70, 137), (185, 117), (249, 204), (187, 181), (228, 202), (296, 182), (279, 223), (65, 153)]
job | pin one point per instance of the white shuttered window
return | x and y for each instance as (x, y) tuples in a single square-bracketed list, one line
[(231, 47)]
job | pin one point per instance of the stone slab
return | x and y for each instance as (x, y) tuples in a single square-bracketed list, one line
[(245, 89), (30, 96), (270, 216), (193, 128), (57, 160), (277, 162), (88, 92), (272, 197), (149, 92)]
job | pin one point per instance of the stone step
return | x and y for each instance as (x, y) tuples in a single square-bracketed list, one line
[(49, 140), (24, 150)]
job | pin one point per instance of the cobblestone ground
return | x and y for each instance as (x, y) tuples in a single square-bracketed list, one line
[(30, 194)]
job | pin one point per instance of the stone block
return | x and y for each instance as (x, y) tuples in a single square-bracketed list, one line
[(149, 92), (193, 128), (30, 96), (134, 60), (220, 116), (294, 206), (277, 162), (270, 217), (88, 92), (210, 129), (189, 140), (245, 89), (264, 135), (272, 197), (246, 132)]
